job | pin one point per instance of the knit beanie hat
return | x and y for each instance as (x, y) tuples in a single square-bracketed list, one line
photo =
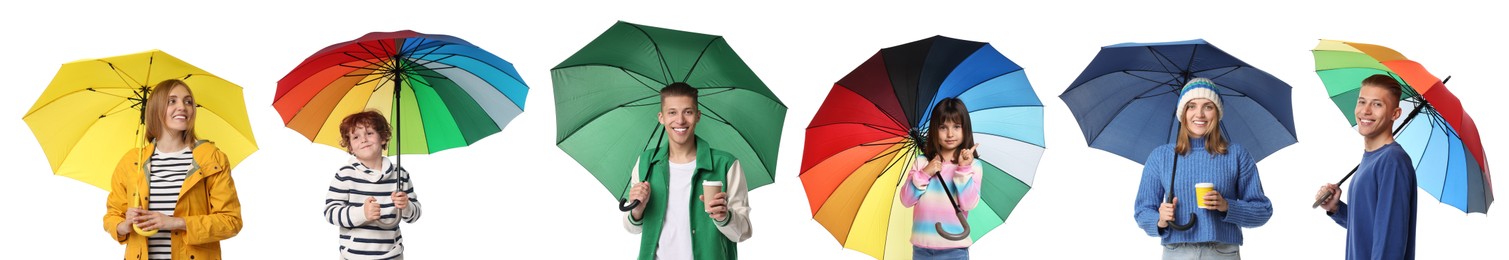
[(1197, 88)]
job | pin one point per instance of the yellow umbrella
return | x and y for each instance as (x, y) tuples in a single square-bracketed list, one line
[(90, 115)]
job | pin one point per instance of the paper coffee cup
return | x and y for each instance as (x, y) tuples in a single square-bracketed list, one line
[(708, 189), (1200, 190), (711, 187)]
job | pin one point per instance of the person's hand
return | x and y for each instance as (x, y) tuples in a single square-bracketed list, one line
[(1166, 213), (641, 193), (921, 179), (371, 209), (716, 205), (1330, 203), (133, 215), (1214, 201), (967, 155), (152, 220), (400, 200)]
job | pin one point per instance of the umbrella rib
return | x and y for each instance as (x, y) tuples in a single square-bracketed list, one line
[(665, 68), (1160, 83), (698, 61), (873, 104), (852, 175), (124, 77), (600, 115), (385, 56), (380, 66), (432, 50), (1090, 141), (636, 79), (881, 128), (1233, 69), (1164, 58)]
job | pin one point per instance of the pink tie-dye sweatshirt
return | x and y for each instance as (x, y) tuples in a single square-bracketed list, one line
[(932, 205)]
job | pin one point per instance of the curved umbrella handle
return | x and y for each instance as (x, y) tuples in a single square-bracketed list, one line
[(1185, 226), (951, 236), (625, 205)]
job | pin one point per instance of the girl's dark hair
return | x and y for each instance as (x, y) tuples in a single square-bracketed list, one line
[(948, 110)]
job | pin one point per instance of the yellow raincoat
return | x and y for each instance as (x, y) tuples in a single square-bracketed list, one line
[(207, 203)]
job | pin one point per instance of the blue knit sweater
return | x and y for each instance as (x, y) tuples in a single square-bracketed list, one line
[(1379, 214), (1235, 176)]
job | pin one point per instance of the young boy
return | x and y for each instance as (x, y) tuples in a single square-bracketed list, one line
[(369, 195), (1380, 218), (675, 218)]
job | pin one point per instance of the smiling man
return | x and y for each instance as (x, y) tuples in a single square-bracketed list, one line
[(1379, 214), (687, 212)]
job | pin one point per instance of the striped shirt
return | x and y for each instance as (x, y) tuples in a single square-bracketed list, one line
[(361, 238), (168, 170)]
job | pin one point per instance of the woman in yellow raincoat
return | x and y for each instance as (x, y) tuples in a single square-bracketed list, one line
[(173, 198)]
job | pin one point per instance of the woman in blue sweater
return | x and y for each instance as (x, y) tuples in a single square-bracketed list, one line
[(1204, 156)]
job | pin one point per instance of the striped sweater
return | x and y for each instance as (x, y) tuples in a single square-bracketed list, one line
[(168, 170), (933, 205), (1235, 176), (362, 238)]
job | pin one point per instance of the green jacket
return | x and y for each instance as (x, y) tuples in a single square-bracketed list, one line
[(708, 241)]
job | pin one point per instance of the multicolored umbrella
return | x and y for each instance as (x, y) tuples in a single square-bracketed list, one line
[(608, 93), (1441, 139), (1125, 101), (864, 138), (91, 113), (450, 92)]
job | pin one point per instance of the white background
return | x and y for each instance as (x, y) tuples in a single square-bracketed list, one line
[(514, 195)]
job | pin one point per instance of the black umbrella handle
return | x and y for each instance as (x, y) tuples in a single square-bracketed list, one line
[(625, 205), (1175, 173), (958, 212)]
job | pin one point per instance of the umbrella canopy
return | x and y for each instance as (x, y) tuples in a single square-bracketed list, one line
[(91, 113), (1124, 100), (438, 91), (608, 93), (1441, 139), (864, 138)]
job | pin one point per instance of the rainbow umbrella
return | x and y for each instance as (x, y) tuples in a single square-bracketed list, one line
[(91, 114), (438, 91), (1441, 139), (864, 138)]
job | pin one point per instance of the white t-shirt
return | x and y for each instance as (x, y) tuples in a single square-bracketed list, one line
[(676, 234)]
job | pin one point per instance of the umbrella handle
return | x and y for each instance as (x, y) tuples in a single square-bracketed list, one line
[(950, 236), (625, 205), (1185, 226), (957, 212)]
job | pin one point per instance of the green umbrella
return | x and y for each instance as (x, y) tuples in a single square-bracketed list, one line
[(608, 93)]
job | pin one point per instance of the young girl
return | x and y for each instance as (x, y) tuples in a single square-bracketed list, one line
[(174, 198), (1204, 156), (947, 163), (369, 195)]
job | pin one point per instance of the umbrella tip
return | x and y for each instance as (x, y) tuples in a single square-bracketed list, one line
[(1448, 78)]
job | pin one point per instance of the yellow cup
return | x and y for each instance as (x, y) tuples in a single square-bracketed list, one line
[(1200, 190)]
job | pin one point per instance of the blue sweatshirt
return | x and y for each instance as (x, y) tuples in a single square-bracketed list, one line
[(1235, 176), (1379, 214)]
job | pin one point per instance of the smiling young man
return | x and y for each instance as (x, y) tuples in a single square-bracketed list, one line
[(1380, 211), (675, 218)]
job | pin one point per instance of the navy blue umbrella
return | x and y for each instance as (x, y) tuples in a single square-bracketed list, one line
[(1124, 101)]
